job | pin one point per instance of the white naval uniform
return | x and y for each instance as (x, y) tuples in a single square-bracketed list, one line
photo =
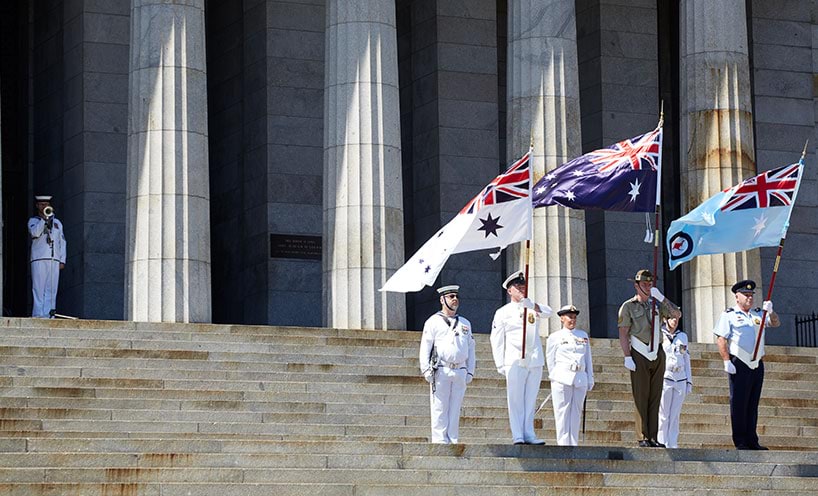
[(452, 338), (674, 389), (47, 253), (523, 376), (571, 372)]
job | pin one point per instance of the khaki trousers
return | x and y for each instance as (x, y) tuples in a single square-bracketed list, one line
[(646, 384)]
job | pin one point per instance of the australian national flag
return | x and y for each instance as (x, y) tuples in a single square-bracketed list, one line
[(500, 214), (751, 214), (621, 177)]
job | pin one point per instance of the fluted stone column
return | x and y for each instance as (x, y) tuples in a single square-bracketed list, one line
[(2, 227), (543, 107), (363, 207), (717, 135), (168, 207)]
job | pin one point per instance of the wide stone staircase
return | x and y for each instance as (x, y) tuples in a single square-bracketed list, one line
[(124, 408)]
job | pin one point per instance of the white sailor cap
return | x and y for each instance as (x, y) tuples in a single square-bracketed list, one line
[(42, 198), (566, 309), (444, 290), (515, 278)]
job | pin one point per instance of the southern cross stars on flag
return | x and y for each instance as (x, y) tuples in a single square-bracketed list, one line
[(500, 214), (752, 214), (621, 177)]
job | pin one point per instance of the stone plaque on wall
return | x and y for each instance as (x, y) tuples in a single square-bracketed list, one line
[(295, 246)]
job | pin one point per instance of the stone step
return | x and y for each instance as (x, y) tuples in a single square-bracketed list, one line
[(53, 463), (406, 476), (103, 327), (472, 436), (307, 489), (499, 433), (195, 409), (691, 421)]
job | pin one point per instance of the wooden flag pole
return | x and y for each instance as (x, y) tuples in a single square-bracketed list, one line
[(760, 335), (525, 292), (527, 243), (656, 229)]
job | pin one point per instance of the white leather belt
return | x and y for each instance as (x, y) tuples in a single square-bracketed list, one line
[(451, 365)]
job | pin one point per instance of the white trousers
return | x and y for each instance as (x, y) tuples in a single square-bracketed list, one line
[(445, 401), (522, 387), (670, 411), (45, 278), (567, 402)]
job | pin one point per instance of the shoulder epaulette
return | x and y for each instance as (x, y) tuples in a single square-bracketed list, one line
[(757, 309), (728, 310)]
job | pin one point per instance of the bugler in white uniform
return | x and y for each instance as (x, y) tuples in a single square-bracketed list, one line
[(47, 253), (523, 375), (447, 362), (571, 372), (678, 382)]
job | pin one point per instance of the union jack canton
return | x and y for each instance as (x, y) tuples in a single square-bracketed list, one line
[(622, 177), (513, 184), (774, 188)]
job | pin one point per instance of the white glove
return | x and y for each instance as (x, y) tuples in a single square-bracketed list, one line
[(729, 367), (545, 310), (469, 378), (629, 364), (526, 303), (591, 384), (767, 306), (502, 371), (654, 291), (429, 375), (690, 386)]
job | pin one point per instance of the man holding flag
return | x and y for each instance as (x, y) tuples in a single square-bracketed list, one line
[(736, 338), (752, 214)]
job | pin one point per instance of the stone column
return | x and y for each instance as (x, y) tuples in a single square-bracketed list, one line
[(717, 145), (167, 274), (363, 207), (2, 227), (543, 107)]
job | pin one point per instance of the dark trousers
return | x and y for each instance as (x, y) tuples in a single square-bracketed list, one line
[(745, 393), (646, 384)]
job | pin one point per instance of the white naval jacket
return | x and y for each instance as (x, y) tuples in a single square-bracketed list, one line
[(568, 354), (507, 337), (454, 342), (40, 247), (677, 357)]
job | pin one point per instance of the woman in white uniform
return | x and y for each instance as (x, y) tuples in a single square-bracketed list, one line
[(678, 382), (571, 372)]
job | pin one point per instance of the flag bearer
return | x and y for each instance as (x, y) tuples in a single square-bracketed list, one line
[(523, 375), (678, 382), (646, 364), (571, 371), (447, 363), (736, 333)]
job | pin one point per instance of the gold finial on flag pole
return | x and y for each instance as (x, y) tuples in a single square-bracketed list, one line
[(662, 113)]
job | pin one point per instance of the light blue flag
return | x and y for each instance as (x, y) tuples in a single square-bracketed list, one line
[(749, 215)]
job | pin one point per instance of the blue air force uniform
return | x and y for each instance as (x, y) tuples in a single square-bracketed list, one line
[(740, 330)]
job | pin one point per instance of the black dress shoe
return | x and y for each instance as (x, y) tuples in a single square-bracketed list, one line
[(519, 442), (743, 447), (759, 447), (656, 444), (644, 443)]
